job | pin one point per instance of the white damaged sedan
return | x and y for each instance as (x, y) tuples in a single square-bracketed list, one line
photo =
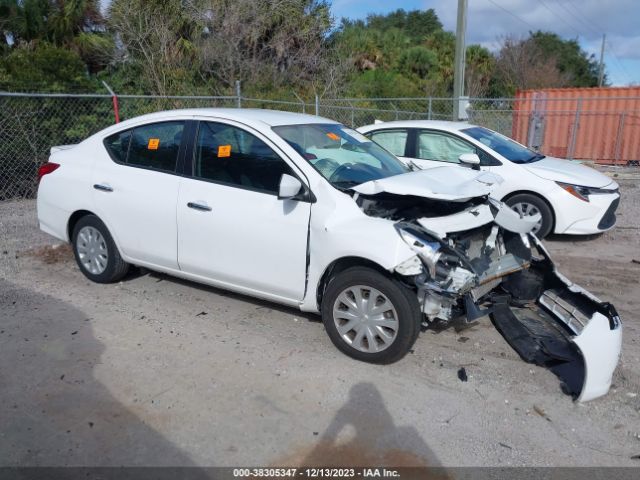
[(303, 211)]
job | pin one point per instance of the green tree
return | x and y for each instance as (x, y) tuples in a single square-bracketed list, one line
[(581, 67), (44, 67), (416, 24)]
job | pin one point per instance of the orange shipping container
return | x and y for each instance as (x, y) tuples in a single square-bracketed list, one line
[(599, 124)]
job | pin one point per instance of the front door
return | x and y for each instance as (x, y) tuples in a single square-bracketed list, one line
[(232, 228)]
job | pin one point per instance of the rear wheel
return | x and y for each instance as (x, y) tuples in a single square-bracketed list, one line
[(526, 204), (369, 316), (96, 252)]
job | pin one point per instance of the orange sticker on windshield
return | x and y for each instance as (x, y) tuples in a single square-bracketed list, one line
[(153, 144), (224, 151), (333, 136)]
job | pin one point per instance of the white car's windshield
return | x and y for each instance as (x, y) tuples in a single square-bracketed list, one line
[(503, 145), (343, 156)]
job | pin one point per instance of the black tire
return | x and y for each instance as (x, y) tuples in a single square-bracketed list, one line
[(404, 302), (541, 205), (116, 267)]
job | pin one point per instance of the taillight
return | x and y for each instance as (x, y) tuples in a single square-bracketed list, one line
[(46, 169)]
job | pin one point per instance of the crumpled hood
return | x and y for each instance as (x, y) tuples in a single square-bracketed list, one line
[(441, 183), (566, 171)]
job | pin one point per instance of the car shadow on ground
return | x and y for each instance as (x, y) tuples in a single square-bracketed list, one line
[(555, 237), (55, 411), (160, 277)]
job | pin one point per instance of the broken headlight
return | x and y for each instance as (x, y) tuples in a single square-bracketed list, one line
[(427, 249)]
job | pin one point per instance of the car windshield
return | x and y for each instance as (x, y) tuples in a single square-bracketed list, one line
[(506, 147), (343, 156)]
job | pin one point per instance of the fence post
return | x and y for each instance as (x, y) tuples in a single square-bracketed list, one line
[(114, 99), (618, 147), (317, 105), (574, 134), (238, 94), (304, 108), (353, 112), (430, 108)]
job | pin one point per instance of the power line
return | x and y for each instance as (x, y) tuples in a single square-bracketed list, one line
[(598, 28), (561, 17), (513, 15)]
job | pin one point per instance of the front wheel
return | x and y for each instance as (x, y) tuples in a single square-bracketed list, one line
[(369, 316), (96, 252), (526, 204)]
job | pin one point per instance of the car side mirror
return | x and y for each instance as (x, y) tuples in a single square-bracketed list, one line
[(289, 187), (470, 159)]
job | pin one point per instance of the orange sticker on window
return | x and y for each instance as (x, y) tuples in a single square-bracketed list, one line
[(224, 151), (333, 136), (153, 144)]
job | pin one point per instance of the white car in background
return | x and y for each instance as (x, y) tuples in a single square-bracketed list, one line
[(303, 211), (570, 198)]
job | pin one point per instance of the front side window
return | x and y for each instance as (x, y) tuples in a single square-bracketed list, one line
[(343, 156), (441, 147), (156, 146), (235, 157), (394, 141)]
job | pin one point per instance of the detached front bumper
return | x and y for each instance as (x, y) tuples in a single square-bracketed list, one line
[(556, 324)]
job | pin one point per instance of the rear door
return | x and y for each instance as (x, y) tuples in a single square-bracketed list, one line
[(232, 228), (136, 189)]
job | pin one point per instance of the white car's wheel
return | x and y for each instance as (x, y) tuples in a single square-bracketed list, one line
[(370, 316), (95, 251), (526, 205)]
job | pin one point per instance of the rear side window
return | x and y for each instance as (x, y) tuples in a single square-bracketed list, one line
[(118, 145), (235, 157), (394, 141), (156, 146), (153, 146)]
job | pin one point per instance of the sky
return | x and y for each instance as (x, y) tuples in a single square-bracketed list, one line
[(490, 20)]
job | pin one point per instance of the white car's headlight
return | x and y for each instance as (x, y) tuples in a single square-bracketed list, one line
[(582, 192), (428, 251)]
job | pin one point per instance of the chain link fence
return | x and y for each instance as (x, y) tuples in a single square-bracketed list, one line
[(30, 124)]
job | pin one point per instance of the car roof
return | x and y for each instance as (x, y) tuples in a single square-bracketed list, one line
[(437, 124), (270, 118)]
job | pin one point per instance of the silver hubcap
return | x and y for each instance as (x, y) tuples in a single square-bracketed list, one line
[(92, 250), (525, 209), (365, 319)]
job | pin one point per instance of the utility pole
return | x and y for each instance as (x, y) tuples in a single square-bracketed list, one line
[(601, 69), (458, 72)]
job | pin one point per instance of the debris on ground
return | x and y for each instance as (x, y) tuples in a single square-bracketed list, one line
[(201, 314), (505, 445), (635, 261), (463, 339), (462, 374), (541, 412)]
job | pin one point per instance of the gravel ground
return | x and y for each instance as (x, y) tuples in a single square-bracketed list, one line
[(159, 371)]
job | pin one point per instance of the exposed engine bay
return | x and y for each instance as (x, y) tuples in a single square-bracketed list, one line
[(477, 258)]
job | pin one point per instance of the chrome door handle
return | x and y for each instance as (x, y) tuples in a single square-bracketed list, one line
[(103, 188), (199, 206)]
